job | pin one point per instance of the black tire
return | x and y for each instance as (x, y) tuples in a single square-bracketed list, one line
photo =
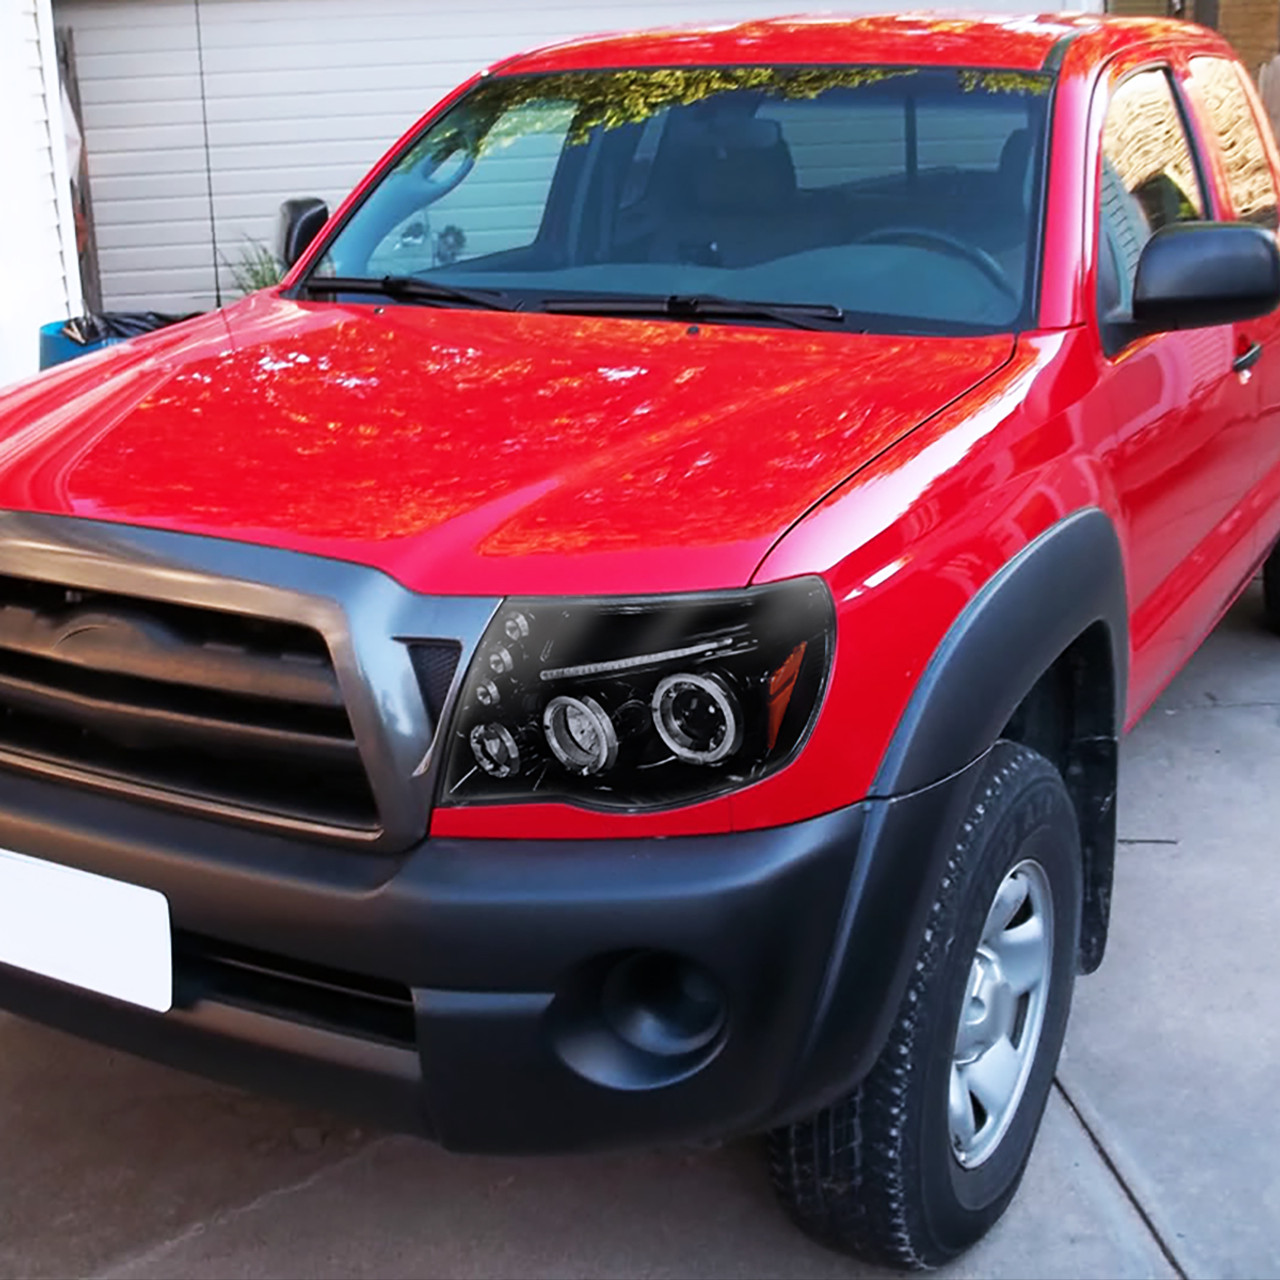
[(1271, 590), (874, 1174)]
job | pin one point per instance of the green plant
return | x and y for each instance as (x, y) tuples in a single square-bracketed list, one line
[(256, 269)]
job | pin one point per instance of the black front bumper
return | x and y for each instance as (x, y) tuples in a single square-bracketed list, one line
[(451, 991)]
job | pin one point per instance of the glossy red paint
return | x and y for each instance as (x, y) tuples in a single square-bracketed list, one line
[(931, 523), (468, 453), (1018, 42), (473, 453)]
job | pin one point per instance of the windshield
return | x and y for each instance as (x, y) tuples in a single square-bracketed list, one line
[(894, 199)]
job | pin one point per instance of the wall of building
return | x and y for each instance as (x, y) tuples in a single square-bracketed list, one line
[(1252, 26), (37, 246)]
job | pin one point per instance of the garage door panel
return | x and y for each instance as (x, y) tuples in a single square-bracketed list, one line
[(138, 114), (141, 164), (298, 130), (148, 186), (174, 303), (167, 230), (143, 258), (92, 16), (140, 277), (238, 213), (237, 81), (287, 178), (120, 80), (115, 47), (366, 50), (254, 234), (173, 283), (301, 97), (152, 211), (265, 156), (258, 226), (155, 91), (376, 104), (431, 13)]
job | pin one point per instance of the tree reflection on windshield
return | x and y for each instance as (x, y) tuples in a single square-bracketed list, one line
[(905, 197)]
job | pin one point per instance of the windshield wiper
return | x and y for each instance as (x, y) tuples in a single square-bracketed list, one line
[(412, 289), (677, 306), (698, 306)]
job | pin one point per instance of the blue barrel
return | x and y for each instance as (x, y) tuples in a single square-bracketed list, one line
[(55, 346)]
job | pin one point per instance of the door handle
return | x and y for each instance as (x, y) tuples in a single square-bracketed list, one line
[(1247, 358)]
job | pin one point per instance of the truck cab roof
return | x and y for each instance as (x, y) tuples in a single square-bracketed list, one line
[(1013, 42)]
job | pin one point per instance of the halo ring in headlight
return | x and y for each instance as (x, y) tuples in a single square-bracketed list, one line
[(580, 734), (742, 674), (697, 716)]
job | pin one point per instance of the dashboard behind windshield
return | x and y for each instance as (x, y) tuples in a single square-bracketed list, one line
[(908, 198)]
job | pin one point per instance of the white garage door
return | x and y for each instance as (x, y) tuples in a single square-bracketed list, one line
[(202, 115)]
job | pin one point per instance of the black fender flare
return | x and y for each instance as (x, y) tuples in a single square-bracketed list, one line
[(1066, 581), (1060, 584)]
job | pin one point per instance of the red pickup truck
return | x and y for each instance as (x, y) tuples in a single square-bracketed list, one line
[(629, 641)]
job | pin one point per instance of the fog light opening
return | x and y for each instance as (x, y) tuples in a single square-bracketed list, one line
[(662, 1004)]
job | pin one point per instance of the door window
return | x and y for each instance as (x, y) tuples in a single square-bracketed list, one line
[(1149, 180), (1249, 180)]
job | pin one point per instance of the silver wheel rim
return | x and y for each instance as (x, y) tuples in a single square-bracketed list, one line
[(1002, 1014)]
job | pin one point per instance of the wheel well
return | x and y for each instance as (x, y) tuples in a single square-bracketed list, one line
[(1069, 717)]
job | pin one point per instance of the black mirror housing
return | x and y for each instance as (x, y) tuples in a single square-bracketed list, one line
[(1195, 274), (300, 223)]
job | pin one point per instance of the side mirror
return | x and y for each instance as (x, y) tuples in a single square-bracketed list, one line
[(1195, 274), (300, 223)]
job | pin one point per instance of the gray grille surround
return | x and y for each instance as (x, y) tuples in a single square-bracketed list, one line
[(368, 620)]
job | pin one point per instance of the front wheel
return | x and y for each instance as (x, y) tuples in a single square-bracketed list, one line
[(924, 1156)]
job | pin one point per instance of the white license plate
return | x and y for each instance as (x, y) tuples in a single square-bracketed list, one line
[(93, 932)]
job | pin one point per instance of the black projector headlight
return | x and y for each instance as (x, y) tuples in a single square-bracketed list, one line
[(641, 702)]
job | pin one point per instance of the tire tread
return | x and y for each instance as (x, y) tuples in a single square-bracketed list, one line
[(844, 1176)]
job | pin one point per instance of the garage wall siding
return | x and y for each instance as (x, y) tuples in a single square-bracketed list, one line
[(201, 116), (37, 244)]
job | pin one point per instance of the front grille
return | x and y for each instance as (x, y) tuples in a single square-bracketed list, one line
[(434, 662), (188, 705), (351, 1004)]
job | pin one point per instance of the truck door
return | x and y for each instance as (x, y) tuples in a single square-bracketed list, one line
[(1183, 450), (1234, 128)]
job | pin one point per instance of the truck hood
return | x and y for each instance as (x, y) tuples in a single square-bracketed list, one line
[(468, 452)]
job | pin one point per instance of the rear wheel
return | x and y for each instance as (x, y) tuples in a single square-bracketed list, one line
[(924, 1156)]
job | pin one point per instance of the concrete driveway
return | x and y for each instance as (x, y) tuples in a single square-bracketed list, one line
[(1160, 1153)]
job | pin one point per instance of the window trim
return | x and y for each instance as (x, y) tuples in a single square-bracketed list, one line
[(1209, 136), (1116, 334)]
